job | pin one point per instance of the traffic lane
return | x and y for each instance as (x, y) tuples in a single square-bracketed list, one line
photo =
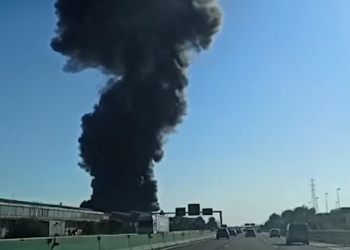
[(261, 242), (282, 240), (213, 244), (275, 240), (234, 243), (251, 243)]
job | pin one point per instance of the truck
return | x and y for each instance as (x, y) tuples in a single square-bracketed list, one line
[(252, 226), (152, 224)]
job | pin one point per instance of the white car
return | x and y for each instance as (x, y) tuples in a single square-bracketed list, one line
[(275, 232)]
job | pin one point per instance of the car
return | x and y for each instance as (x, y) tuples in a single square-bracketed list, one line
[(297, 232), (275, 232), (232, 231), (222, 233), (250, 233), (239, 231)]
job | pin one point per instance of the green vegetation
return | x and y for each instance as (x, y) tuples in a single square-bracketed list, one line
[(104, 227), (299, 214), (185, 223), (321, 221)]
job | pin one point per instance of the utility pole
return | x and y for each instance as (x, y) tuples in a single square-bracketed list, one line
[(313, 196), (338, 189), (326, 199)]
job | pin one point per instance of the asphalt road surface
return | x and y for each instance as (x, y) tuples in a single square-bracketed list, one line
[(261, 242)]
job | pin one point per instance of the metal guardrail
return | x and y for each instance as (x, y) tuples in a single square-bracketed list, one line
[(108, 242), (337, 237)]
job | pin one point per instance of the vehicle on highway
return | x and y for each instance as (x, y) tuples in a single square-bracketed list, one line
[(275, 232), (222, 233), (152, 224), (232, 231), (250, 233), (297, 232), (238, 230)]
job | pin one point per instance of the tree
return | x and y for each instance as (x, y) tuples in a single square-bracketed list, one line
[(299, 214), (181, 223), (212, 223), (26, 228), (185, 223), (287, 215), (275, 220), (199, 223)]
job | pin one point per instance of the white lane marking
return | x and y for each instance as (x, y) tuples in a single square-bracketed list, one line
[(187, 244), (231, 242), (268, 242), (238, 238), (334, 248), (200, 241)]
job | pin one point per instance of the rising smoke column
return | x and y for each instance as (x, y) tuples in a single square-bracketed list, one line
[(144, 46)]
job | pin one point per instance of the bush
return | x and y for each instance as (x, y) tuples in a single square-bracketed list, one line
[(102, 227), (90, 228)]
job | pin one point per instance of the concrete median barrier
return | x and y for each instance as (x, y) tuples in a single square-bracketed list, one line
[(108, 242)]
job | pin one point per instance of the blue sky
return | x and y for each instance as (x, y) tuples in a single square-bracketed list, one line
[(268, 110)]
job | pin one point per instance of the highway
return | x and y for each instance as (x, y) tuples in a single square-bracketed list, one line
[(261, 242)]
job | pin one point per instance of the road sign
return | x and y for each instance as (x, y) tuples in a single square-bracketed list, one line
[(194, 209), (207, 211), (180, 211)]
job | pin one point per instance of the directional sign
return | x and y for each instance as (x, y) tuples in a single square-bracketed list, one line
[(194, 209), (207, 211), (180, 211)]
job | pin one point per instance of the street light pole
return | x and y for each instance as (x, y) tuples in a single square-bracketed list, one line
[(338, 189), (316, 210), (326, 195)]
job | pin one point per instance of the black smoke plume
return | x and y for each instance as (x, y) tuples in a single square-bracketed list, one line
[(145, 47)]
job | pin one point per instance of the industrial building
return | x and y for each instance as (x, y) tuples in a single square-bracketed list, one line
[(59, 219), (11, 209)]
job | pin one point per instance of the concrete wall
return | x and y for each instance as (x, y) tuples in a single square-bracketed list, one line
[(57, 228)]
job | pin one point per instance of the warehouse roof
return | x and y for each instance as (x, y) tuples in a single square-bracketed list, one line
[(12, 201)]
